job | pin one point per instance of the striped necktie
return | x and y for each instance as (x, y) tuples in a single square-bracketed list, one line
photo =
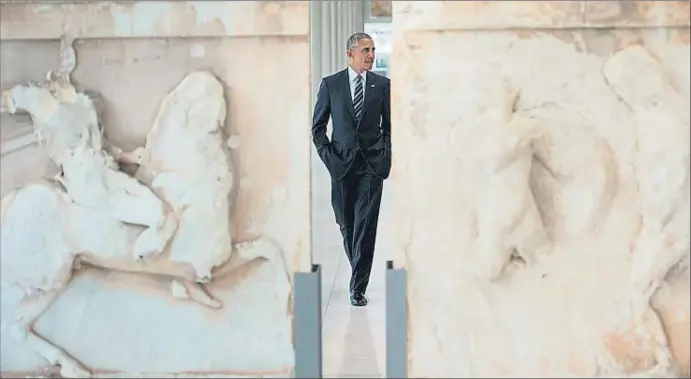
[(358, 97)]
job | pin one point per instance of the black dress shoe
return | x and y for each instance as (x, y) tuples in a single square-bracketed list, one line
[(358, 299)]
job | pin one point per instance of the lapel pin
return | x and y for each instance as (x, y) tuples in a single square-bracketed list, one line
[(372, 85)]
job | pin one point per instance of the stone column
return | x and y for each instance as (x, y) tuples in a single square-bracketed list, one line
[(541, 186)]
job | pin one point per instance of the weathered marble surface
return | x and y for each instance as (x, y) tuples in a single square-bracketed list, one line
[(541, 186), (114, 322)]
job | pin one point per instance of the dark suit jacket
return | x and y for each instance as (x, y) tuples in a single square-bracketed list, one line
[(372, 135)]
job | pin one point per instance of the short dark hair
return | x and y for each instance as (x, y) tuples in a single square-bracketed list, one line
[(355, 38)]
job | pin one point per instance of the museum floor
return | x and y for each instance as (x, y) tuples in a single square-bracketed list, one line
[(352, 338)]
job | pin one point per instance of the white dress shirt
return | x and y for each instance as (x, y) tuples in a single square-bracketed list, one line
[(352, 75)]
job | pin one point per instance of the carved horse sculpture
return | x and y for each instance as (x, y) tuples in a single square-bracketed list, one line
[(66, 126), (662, 173), (52, 227)]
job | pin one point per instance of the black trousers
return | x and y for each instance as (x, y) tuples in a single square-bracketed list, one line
[(356, 200)]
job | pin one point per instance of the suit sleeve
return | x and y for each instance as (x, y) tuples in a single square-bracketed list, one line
[(322, 112), (386, 116)]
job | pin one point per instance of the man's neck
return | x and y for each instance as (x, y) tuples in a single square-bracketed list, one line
[(356, 71)]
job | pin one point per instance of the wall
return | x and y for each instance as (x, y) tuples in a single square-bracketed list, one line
[(541, 186), (131, 56)]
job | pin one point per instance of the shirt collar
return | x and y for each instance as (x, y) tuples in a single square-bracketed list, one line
[(352, 74)]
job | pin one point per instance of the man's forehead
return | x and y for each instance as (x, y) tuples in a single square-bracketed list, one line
[(365, 42)]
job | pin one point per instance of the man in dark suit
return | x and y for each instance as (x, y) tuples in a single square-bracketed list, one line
[(358, 156)]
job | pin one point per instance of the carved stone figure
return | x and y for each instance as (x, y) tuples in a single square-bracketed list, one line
[(94, 214), (662, 173), (67, 128), (508, 221), (186, 161)]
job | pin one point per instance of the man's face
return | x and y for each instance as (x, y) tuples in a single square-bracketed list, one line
[(362, 56)]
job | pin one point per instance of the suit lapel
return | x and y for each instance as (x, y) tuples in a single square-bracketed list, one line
[(345, 92), (370, 92)]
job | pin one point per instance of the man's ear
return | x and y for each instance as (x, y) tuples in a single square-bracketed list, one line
[(349, 53)]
